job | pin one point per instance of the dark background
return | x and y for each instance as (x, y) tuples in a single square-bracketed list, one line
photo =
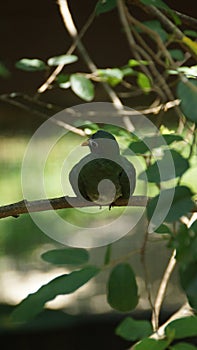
[(34, 29)]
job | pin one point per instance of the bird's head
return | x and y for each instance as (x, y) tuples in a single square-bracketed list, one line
[(102, 143)]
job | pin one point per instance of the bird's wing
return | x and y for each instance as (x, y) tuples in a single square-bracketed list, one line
[(77, 181), (127, 178)]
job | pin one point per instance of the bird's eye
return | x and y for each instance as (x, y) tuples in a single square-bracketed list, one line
[(94, 144)]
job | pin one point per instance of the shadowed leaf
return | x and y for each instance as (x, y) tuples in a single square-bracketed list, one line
[(69, 256), (122, 292), (64, 284)]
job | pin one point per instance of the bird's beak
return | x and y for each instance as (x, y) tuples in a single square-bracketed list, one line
[(85, 143)]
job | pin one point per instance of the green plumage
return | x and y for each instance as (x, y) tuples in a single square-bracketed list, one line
[(103, 175)]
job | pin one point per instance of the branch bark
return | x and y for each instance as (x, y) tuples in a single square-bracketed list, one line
[(24, 206)]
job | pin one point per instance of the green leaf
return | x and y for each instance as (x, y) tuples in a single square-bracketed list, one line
[(131, 329), (177, 54), (157, 3), (170, 138), (122, 288), (153, 142), (156, 26), (135, 63), (4, 72), (68, 256), (191, 33), (138, 147), (183, 346), (31, 64), (187, 93), (108, 254), (181, 204), (189, 72), (62, 59), (112, 76), (181, 165), (103, 6), (162, 5), (163, 229), (193, 227), (185, 243), (151, 344), (82, 87), (143, 82), (64, 284), (184, 327), (63, 81), (126, 71), (188, 277)]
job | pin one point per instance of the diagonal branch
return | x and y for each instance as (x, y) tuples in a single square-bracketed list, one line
[(162, 290), (59, 68), (72, 30), (25, 206)]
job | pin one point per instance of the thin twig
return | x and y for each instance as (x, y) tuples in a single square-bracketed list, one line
[(41, 109), (162, 290), (146, 274), (20, 100), (155, 36), (163, 89), (169, 25), (59, 68), (184, 311), (25, 206), (71, 28), (128, 33)]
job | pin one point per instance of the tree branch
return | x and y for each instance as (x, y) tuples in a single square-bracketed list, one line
[(162, 290), (25, 206)]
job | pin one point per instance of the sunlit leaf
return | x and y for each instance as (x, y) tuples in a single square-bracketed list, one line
[(189, 72), (103, 6), (187, 93), (135, 63), (122, 292), (131, 329), (126, 71), (62, 59), (111, 75), (190, 43), (31, 64), (82, 87), (184, 327), (64, 284), (143, 82), (67, 256)]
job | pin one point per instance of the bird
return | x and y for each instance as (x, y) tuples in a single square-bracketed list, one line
[(103, 175)]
